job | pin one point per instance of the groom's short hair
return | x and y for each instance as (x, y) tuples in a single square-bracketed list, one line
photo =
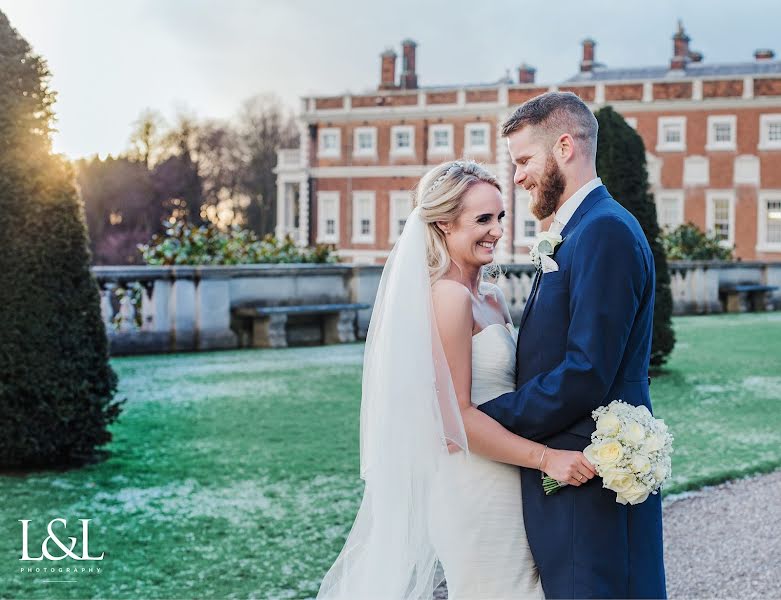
[(553, 114)]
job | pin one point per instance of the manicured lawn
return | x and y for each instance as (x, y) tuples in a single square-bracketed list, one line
[(234, 474)]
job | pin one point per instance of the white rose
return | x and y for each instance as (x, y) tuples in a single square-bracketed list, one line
[(653, 443), (634, 433), (618, 480), (660, 473), (604, 453), (644, 409), (608, 424), (640, 463), (636, 494)]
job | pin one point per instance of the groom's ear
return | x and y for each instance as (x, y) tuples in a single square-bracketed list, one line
[(565, 147)]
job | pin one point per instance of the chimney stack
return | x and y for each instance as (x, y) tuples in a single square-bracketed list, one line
[(587, 64), (409, 80), (526, 73), (681, 54), (388, 70), (764, 54)]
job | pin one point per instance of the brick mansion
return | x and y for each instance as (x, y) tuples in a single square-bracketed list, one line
[(712, 134)]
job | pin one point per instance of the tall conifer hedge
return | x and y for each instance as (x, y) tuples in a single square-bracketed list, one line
[(621, 165), (56, 385)]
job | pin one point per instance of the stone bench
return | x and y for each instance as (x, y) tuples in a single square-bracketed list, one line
[(743, 297), (269, 324)]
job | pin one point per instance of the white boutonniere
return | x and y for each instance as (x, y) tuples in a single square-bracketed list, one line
[(543, 249)]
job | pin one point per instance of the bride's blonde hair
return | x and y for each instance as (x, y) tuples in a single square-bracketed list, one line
[(440, 194)]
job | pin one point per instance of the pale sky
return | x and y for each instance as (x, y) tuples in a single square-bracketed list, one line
[(111, 59)]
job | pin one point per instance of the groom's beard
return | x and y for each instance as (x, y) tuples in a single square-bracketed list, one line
[(549, 190)]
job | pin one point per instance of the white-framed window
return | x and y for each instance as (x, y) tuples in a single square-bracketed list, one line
[(525, 225), (440, 139), (696, 170), (770, 132), (671, 134), (769, 221), (669, 208), (402, 140), (329, 142), (722, 132), (400, 208), (365, 141), (363, 217), (327, 217), (720, 215), (477, 138), (631, 121)]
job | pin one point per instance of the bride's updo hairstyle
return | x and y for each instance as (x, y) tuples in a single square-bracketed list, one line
[(440, 194)]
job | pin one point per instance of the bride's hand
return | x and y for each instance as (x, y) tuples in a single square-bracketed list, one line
[(568, 466)]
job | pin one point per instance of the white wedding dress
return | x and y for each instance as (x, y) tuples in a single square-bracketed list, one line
[(476, 518), (422, 505)]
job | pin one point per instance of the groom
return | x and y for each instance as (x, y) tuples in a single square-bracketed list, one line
[(585, 340)]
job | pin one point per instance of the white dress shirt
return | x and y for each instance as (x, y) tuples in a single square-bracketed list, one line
[(564, 214)]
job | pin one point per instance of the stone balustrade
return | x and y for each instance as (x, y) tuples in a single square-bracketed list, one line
[(184, 308)]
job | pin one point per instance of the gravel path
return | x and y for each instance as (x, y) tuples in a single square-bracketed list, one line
[(725, 541), (722, 541)]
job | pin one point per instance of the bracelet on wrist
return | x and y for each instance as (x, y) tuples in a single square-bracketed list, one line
[(542, 457)]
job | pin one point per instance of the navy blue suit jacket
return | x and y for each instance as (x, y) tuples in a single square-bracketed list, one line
[(585, 340)]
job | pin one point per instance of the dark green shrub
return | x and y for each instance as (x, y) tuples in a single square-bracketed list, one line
[(185, 244), (56, 384), (621, 165), (688, 242)]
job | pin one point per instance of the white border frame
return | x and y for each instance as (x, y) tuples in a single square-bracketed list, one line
[(358, 236), (762, 243), (764, 130), (365, 153), (322, 237), (329, 153), (713, 145), (395, 150), (661, 145), (710, 196), (393, 216)]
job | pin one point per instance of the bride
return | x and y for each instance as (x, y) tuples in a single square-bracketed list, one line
[(441, 477)]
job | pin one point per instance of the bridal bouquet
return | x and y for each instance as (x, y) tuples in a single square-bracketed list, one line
[(630, 450)]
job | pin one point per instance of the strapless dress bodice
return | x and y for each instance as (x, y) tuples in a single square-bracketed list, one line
[(493, 362)]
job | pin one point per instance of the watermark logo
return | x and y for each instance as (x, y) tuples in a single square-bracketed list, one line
[(67, 550)]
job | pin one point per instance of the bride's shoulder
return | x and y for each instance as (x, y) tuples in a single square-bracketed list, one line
[(450, 289), (452, 308)]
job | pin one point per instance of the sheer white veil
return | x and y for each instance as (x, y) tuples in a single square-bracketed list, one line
[(408, 413)]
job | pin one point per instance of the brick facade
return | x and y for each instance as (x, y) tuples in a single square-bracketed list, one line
[(712, 144)]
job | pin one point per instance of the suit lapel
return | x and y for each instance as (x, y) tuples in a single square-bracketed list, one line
[(589, 201)]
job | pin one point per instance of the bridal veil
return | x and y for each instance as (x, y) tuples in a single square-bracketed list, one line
[(409, 412)]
